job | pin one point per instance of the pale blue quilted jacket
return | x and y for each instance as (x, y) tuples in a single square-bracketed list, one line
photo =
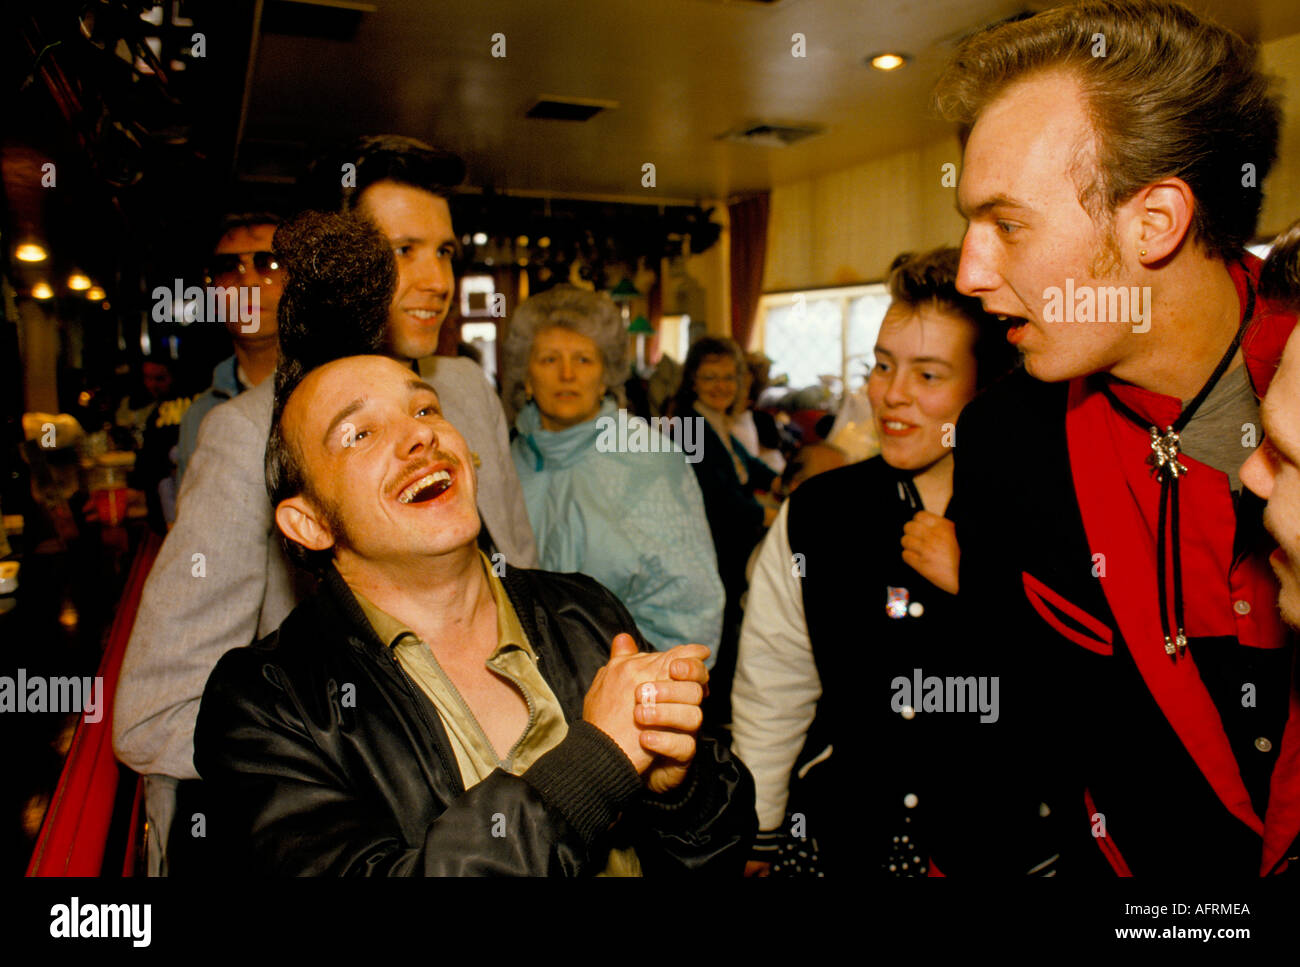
[(633, 521)]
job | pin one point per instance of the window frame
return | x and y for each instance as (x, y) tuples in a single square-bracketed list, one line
[(844, 294)]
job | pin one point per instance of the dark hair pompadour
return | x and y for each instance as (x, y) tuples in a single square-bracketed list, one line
[(340, 278), (337, 179), (1170, 94)]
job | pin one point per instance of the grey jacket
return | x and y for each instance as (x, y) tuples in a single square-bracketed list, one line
[(222, 581)]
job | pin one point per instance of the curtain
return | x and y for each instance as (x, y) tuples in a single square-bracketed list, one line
[(748, 252)]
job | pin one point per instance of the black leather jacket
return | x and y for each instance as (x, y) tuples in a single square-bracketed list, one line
[(326, 759)]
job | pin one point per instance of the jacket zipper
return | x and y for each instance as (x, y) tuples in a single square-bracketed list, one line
[(465, 709), (532, 713)]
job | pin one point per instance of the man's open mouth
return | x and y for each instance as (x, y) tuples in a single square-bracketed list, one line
[(1017, 326), (426, 488)]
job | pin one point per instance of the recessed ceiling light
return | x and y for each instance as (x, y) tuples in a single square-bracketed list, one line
[(95, 294), (30, 252), (888, 62), (42, 290), (78, 282)]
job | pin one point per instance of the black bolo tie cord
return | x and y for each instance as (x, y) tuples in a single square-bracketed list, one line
[(1169, 472)]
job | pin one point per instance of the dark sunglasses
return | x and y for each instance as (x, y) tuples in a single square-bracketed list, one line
[(232, 263)]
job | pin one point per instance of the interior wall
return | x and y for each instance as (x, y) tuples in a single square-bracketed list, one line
[(846, 227), (1281, 57), (713, 270)]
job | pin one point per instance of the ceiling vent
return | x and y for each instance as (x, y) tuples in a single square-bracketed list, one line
[(767, 135), (551, 108)]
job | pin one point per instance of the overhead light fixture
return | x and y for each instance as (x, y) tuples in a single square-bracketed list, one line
[(30, 252), (888, 62), (42, 290), (78, 282), (624, 291), (480, 238), (96, 294)]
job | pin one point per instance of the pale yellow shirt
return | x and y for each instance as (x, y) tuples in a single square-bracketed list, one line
[(514, 660)]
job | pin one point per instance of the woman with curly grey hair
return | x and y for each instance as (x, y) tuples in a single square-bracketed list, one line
[(607, 494)]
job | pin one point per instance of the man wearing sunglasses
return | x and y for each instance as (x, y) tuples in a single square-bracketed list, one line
[(242, 261)]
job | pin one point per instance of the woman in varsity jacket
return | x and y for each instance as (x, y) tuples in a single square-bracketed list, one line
[(845, 648)]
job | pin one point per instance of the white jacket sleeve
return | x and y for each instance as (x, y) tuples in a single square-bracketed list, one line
[(203, 597), (776, 688)]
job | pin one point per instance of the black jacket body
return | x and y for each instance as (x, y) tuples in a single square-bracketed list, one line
[(736, 524), (326, 759), (848, 524), (735, 516), (1079, 729)]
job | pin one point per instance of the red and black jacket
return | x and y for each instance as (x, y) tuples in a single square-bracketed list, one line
[(1153, 764)]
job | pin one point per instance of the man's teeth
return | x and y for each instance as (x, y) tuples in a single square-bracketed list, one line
[(423, 313), (423, 484), (895, 425)]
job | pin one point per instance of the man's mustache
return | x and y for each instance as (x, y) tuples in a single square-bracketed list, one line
[(411, 467)]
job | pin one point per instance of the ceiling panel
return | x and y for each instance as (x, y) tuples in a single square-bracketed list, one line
[(681, 71)]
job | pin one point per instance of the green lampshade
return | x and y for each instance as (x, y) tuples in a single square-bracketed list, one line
[(640, 325), (624, 291)]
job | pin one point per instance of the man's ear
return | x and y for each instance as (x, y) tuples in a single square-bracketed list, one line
[(1162, 217), (299, 521)]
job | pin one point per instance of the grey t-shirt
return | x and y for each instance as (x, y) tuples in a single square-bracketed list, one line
[(1225, 430)]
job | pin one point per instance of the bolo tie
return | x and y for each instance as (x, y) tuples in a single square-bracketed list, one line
[(1166, 467)]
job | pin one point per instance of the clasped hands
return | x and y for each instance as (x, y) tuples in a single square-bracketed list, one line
[(649, 703)]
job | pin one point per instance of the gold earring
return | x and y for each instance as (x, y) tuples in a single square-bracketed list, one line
[(1143, 252), (474, 457)]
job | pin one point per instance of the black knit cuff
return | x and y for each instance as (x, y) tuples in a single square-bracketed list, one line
[(767, 845), (587, 778), (674, 799), (699, 796)]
